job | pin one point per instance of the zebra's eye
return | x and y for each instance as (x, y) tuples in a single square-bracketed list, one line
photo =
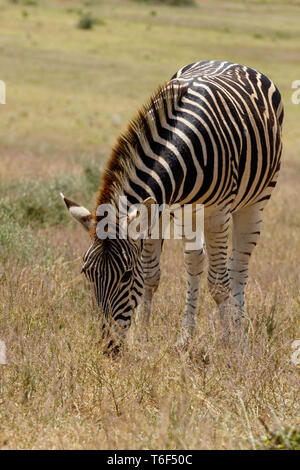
[(126, 276)]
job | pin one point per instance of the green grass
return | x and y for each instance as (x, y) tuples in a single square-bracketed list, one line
[(283, 439), (70, 92)]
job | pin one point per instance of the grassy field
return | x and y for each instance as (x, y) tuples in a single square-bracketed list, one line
[(70, 93)]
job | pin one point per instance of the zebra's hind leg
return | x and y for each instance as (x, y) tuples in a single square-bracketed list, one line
[(245, 234), (216, 236), (194, 264)]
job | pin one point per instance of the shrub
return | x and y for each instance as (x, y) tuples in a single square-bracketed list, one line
[(30, 204), (170, 2), (31, 3), (13, 237), (92, 177), (87, 21), (38, 202)]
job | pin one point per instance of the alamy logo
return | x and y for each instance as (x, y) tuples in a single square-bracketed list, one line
[(2, 92), (153, 221), (2, 353), (296, 94)]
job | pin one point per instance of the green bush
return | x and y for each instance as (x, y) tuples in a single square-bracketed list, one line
[(170, 2), (38, 203), (32, 3), (31, 204), (91, 177), (13, 237), (87, 21)]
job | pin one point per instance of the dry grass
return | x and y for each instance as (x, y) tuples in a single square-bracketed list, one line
[(57, 389)]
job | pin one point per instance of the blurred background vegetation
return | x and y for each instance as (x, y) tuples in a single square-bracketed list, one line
[(76, 71)]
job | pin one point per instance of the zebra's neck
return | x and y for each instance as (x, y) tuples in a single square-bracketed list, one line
[(134, 181), (137, 167)]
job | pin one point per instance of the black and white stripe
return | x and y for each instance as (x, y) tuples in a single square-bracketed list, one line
[(212, 135)]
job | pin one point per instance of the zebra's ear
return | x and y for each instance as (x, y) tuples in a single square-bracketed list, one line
[(79, 213), (140, 221)]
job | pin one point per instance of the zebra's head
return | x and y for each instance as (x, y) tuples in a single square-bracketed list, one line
[(114, 268)]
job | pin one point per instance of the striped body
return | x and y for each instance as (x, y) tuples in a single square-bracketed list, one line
[(237, 113), (212, 135), (218, 142)]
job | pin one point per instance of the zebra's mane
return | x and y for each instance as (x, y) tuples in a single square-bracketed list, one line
[(124, 154)]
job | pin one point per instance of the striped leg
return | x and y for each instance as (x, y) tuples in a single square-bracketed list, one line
[(194, 265), (246, 231), (216, 236), (151, 268)]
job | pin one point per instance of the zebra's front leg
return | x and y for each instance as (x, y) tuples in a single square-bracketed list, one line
[(144, 309), (194, 264), (151, 268)]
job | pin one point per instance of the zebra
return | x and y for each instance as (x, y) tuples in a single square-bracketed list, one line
[(212, 136)]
